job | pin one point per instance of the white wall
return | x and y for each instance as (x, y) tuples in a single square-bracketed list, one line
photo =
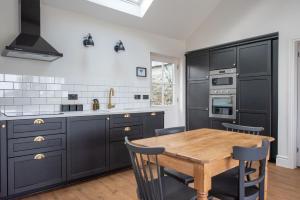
[(238, 19), (100, 64)]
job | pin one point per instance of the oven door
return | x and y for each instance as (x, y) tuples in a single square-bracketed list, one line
[(222, 106), (223, 81)]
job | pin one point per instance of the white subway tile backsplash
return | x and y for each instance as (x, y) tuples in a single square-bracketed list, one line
[(38, 86), (45, 93), (13, 78), (22, 101), (46, 79), (9, 109), (6, 101), (31, 79), (13, 93), (6, 85), (38, 101)]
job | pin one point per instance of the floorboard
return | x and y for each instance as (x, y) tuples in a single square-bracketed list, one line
[(283, 184)]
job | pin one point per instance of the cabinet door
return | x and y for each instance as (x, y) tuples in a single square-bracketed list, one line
[(197, 104), (31, 172), (87, 144), (197, 64), (217, 123), (223, 58), (254, 102), (118, 155), (152, 122), (3, 160), (254, 59)]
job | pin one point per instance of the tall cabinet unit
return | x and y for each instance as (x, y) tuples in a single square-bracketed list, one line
[(197, 67), (256, 61), (3, 160)]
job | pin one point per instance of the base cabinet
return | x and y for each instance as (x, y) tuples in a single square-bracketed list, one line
[(87, 146), (152, 121), (118, 155), (3, 160), (32, 172)]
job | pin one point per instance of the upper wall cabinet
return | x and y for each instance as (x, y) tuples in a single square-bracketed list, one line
[(223, 58), (254, 59), (197, 65)]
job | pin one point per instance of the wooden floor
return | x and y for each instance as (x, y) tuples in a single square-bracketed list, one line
[(284, 184)]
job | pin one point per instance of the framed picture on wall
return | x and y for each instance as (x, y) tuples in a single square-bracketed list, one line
[(141, 72)]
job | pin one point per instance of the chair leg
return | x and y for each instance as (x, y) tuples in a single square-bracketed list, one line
[(262, 190)]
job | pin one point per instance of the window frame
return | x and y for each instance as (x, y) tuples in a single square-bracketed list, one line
[(166, 60)]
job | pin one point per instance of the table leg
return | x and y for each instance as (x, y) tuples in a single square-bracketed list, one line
[(266, 181), (202, 181)]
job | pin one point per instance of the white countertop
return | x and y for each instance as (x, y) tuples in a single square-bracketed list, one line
[(82, 113)]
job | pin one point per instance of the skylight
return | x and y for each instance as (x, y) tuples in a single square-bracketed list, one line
[(133, 7)]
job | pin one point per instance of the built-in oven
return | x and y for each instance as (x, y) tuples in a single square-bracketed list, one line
[(222, 79), (222, 104)]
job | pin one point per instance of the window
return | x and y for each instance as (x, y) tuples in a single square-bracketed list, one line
[(162, 83), (133, 7)]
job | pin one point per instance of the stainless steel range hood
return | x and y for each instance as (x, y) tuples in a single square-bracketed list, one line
[(29, 44)]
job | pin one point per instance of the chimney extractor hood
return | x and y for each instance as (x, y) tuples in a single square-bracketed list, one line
[(29, 44)]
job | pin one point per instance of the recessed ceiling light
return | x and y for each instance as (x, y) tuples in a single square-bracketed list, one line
[(133, 7)]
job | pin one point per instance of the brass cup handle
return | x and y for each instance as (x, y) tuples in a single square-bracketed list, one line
[(127, 115), (127, 129), (39, 156), (39, 121), (39, 139), (153, 114)]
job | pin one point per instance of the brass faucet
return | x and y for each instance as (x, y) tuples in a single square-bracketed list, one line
[(111, 93)]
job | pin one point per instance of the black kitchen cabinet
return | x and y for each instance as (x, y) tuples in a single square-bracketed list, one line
[(223, 58), (152, 121), (216, 123), (118, 155), (3, 160), (254, 102), (197, 88), (87, 146), (197, 65), (254, 59), (31, 172)]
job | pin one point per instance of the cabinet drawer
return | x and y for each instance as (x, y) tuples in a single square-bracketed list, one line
[(126, 120), (32, 172), (32, 145), (118, 134), (118, 155), (36, 127)]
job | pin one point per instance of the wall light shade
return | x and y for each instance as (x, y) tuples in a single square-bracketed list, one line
[(88, 41), (119, 46)]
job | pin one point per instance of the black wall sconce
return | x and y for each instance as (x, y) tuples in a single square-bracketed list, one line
[(119, 46), (88, 41)]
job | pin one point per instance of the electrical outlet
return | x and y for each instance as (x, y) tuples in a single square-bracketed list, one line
[(145, 97), (72, 96)]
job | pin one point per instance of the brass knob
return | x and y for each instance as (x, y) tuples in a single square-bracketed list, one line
[(153, 114), (39, 139), (39, 121), (3, 126), (127, 115), (126, 129), (39, 156)]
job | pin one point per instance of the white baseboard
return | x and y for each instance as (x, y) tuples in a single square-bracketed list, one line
[(283, 161)]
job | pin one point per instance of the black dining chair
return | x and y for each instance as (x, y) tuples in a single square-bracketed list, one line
[(231, 187), (186, 179), (247, 130), (151, 183), (243, 129)]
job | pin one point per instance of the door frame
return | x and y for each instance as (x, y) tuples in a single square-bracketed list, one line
[(290, 160)]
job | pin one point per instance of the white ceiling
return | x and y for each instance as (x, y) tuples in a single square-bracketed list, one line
[(176, 19)]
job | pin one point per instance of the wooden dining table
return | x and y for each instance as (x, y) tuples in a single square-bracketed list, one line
[(202, 153)]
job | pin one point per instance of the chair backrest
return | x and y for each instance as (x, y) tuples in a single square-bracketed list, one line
[(167, 131), (243, 129), (147, 175), (245, 155)]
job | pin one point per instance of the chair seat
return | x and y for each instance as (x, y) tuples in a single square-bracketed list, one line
[(185, 179), (226, 186), (175, 190)]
